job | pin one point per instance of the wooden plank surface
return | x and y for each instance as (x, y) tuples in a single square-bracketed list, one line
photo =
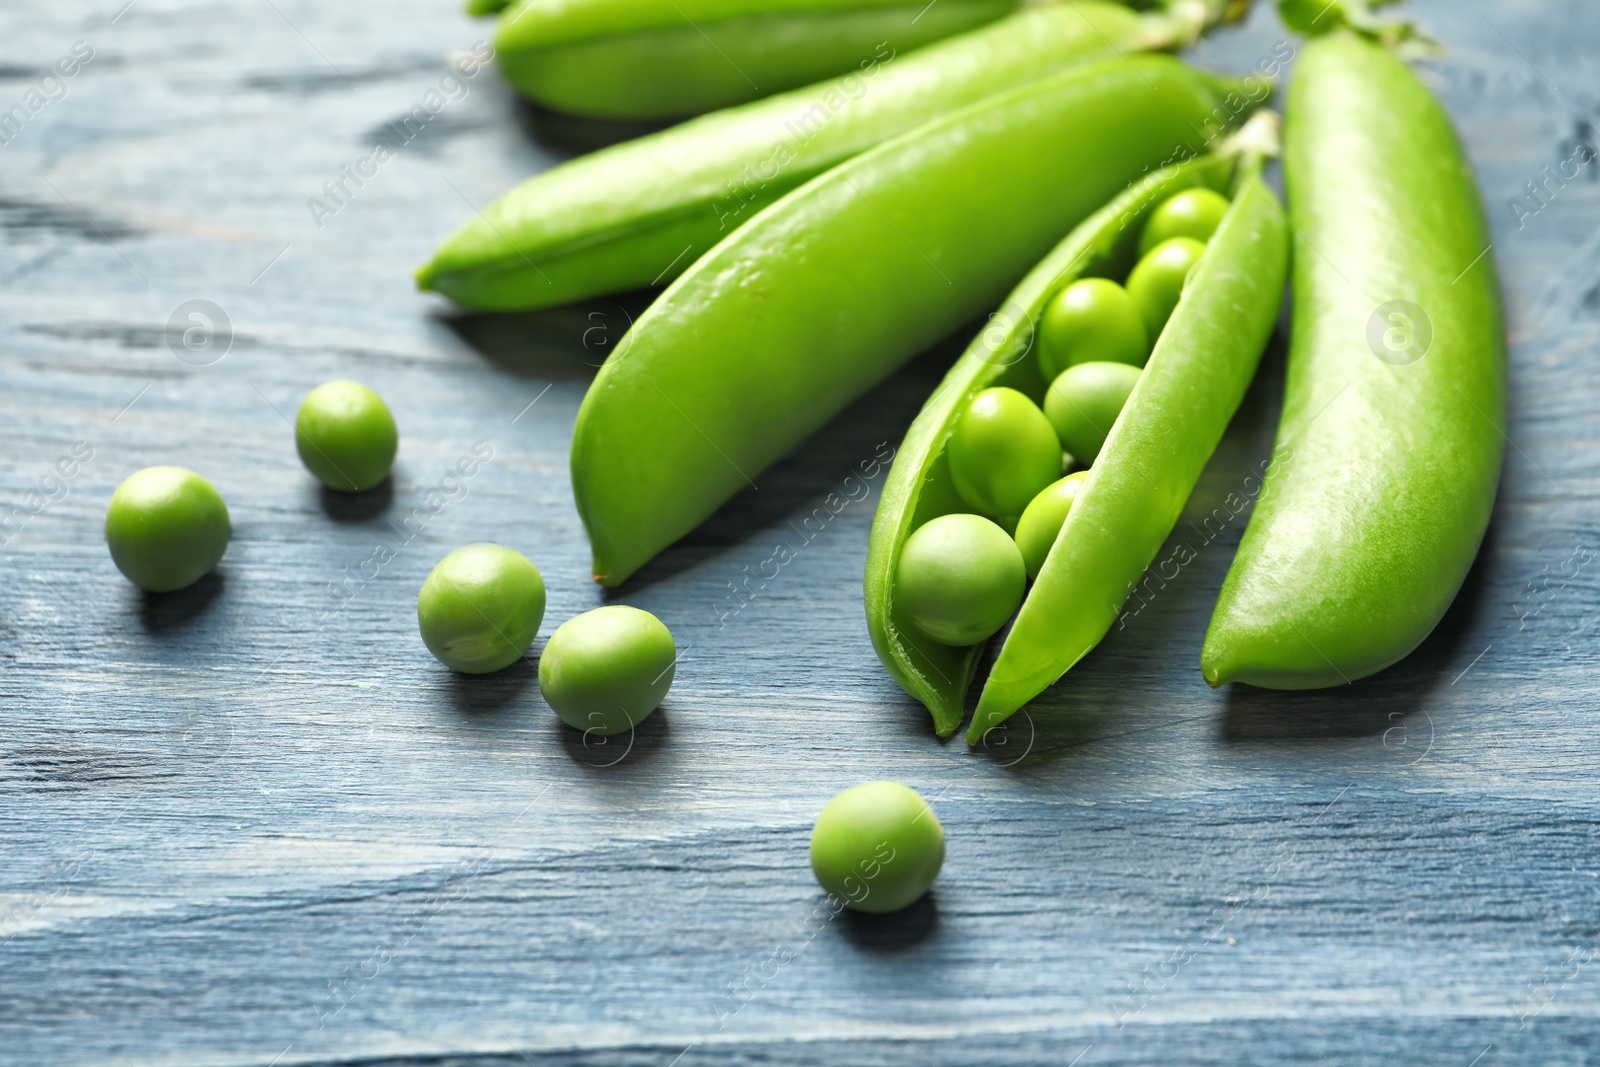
[(255, 823)]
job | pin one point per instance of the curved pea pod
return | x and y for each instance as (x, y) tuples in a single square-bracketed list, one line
[(640, 213), (1188, 391), (1197, 374), (1390, 444), (826, 292), (671, 58)]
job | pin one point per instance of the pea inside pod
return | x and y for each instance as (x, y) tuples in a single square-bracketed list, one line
[(1002, 453), (1197, 371)]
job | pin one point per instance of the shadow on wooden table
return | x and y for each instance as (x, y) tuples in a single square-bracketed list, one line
[(344, 507), (638, 745), (894, 932), (566, 343), (1370, 705), (159, 612), (575, 134), (486, 699)]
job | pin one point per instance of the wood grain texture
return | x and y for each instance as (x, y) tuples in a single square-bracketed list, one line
[(255, 823)]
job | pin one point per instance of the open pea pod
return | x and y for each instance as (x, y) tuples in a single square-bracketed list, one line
[(1169, 427), (640, 213), (822, 295)]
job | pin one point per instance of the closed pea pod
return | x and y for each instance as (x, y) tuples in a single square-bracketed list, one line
[(668, 58), (642, 212), (1392, 434), (1196, 374), (829, 290)]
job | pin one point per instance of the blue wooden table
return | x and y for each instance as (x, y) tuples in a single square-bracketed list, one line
[(255, 823)]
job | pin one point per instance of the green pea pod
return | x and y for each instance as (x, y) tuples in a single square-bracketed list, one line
[(1392, 434), (826, 292), (1169, 427), (1197, 374), (670, 58), (640, 213)]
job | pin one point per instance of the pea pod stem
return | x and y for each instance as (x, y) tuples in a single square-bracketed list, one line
[(822, 295), (1394, 412), (640, 213)]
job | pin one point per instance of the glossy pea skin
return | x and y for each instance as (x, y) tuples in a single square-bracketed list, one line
[(877, 847), (1091, 320), (1043, 519), (1002, 453), (480, 608), (959, 579), (346, 436), (1083, 403), (1156, 281), (167, 527), (604, 671), (1194, 213)]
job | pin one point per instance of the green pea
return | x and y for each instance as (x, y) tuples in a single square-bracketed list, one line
[(959, 579), (346, 436), (1083, 404), (877, 847), (1002, 452), (166, 527), (605, 670), (1156, 282), (1192, 213), (1091, 320), (480, 608), (1042, 521)]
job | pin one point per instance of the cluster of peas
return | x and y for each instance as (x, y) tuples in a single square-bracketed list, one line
[(961, 576), (480, 608), (876, 847)]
